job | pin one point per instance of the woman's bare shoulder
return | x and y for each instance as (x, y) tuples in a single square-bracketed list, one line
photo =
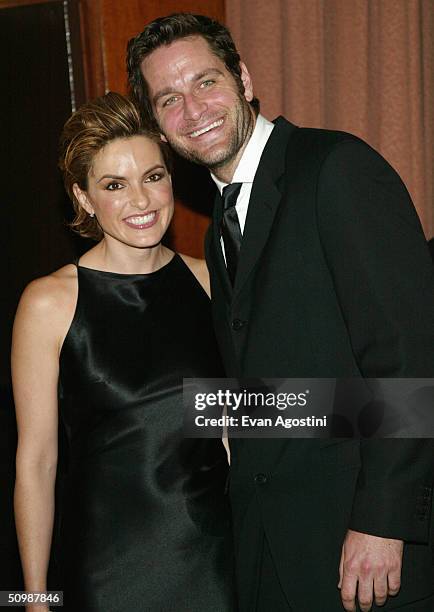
[(47, 307), (199, 269), (53, 291)]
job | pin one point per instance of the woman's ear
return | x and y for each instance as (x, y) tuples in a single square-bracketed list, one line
[(82, 199)]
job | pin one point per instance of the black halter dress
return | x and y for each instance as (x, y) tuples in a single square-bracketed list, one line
[(145, 523)]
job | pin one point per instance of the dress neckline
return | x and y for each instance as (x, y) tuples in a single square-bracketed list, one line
[(126, 275)]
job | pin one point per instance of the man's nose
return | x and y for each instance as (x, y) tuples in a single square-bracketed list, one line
[(194, 107)]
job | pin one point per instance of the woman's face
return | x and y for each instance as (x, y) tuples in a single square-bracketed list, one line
[(130, 192)]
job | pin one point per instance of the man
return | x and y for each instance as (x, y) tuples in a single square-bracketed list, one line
[(332, 279)]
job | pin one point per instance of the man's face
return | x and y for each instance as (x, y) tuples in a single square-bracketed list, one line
[(197, 103)]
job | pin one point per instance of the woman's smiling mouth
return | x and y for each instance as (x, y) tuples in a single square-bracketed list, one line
[(142, 221)]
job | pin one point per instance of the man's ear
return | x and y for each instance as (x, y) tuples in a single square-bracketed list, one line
[(247, 82), (82, 199), (163, 138)]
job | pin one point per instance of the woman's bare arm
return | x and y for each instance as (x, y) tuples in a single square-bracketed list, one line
[(39, 328)]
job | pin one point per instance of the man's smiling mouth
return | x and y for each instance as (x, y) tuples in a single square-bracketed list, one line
[(206, 129)]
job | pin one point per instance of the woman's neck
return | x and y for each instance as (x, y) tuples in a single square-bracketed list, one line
[(112, 256)]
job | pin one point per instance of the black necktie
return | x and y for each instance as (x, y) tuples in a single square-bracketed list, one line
[(231, 231)]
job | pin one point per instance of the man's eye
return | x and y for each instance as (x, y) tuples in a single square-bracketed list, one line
[(207, 83), (170, 101), (113, 186)]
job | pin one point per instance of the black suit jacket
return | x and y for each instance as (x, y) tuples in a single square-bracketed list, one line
[(334, 280)]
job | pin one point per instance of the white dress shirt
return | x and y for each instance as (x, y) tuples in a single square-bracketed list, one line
[(247, 166)]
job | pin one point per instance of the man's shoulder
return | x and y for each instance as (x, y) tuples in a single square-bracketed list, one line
[(318, 135), (309, 144)]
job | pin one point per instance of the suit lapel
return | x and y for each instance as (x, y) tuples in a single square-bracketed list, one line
[(264, 201)]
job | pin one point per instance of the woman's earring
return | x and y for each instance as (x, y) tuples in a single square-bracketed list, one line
[(92, 215)]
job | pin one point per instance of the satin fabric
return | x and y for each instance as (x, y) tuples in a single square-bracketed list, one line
[(145, 522)]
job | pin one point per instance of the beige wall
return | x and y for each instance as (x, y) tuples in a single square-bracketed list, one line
[(363, 66)]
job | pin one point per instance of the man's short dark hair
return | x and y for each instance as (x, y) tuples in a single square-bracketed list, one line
[(165, 30)]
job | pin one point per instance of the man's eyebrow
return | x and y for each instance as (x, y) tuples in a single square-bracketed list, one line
[(168, 90), (207, 72)]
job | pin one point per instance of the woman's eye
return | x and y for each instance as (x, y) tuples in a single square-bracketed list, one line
[(113, 186), (153, 178)]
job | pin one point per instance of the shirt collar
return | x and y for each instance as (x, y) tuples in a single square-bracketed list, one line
[(249, 162)]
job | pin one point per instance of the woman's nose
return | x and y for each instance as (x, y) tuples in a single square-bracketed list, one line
[(141, 198)]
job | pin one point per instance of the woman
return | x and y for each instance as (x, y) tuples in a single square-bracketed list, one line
[(144, 522)]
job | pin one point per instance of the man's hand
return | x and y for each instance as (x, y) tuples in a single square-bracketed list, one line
[(370, 568)]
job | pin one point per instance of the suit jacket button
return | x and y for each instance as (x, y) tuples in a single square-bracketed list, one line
[(260, 478), (237, 324)]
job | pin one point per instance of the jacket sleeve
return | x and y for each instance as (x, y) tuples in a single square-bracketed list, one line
[(384, 280)]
